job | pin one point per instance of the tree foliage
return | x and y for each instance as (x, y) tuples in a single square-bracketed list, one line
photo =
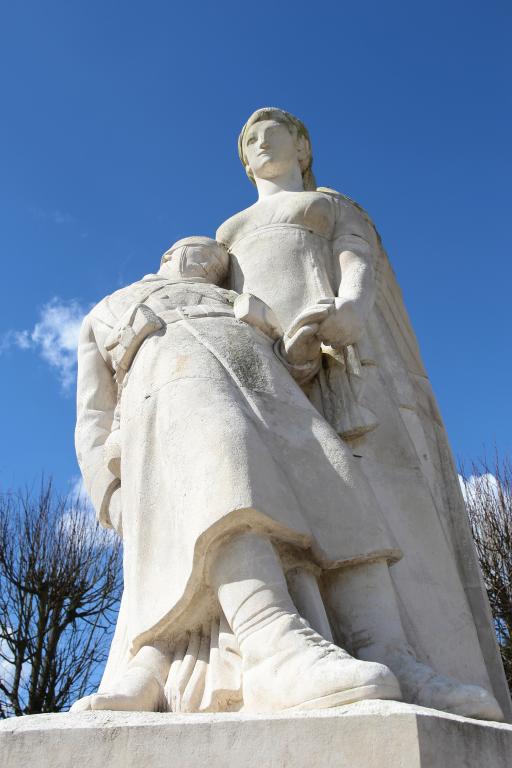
[(488, 495), (60, 583)]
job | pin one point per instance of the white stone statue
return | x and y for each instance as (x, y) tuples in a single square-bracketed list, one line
[(294, 535)]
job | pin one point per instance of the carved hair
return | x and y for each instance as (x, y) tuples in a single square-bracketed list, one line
[(296, 128)]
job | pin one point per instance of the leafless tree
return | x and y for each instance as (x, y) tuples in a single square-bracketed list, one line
[(60, 582), (488, 494)]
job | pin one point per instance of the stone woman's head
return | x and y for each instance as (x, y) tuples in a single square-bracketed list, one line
[(275, 127)]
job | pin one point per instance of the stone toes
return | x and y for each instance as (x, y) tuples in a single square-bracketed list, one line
[(473, 701), (112, 701), (82, 705)]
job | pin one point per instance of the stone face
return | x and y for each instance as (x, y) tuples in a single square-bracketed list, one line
[(363, 735), (272, 455)]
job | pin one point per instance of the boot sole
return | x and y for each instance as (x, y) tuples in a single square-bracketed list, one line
[(490, 714), (340, 698)]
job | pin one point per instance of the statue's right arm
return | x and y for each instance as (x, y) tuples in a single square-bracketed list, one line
[(96, 401)]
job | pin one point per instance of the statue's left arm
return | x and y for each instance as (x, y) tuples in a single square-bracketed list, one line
[(354, 247)]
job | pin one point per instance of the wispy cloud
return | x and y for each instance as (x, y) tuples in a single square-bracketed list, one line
[(474, 484), (78, 494), (7, 670), (6, 660), (55, 216), (54, 338), (20, 339), (79, 519)]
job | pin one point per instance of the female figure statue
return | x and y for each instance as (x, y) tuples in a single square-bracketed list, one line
[(266, 485)]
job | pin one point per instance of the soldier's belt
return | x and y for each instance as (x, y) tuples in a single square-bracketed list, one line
[(195, 311), (140, 321), (126, 337)]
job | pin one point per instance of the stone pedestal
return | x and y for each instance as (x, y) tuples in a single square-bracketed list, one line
[(371, 734)]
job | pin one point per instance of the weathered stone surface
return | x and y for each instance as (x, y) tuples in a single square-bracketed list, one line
[(272, 454), (363, 735)]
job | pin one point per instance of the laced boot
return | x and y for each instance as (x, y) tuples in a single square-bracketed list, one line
[(365, 612), (423, 686), (286, 664)]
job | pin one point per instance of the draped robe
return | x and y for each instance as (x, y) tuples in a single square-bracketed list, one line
[(216, 437)]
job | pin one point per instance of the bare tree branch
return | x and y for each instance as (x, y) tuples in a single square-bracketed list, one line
[(60, 585), (488, 495)]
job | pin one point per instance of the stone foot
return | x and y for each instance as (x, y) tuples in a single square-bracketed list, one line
[(138, 690), (287, 665), (423, 686)]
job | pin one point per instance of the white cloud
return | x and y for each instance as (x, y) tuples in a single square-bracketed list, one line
[(7, 671), (6, 660), (78, 491), (56, 215), (22, 339), (78, 498), (54, 337), (60, 217), (472, 485), (84, 522)]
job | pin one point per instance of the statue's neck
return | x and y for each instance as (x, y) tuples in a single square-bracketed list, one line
[(287, 182)]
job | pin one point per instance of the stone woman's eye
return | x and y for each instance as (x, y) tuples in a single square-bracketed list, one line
[(251, 140)]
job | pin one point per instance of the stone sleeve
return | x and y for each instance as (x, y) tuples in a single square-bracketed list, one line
[(353, 229), (96, 402)]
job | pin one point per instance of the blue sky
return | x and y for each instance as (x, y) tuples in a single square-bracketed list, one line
[(118, 136)]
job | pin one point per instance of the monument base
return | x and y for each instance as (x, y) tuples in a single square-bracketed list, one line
[(369, 734)]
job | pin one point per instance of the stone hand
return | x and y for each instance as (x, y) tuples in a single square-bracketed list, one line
[(303, 347), (301, 344), (316, 313), (115, 511), (344, 324)]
